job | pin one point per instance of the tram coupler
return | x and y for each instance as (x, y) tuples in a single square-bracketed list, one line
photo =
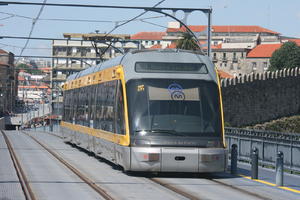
[(279, 169), (254, 163)]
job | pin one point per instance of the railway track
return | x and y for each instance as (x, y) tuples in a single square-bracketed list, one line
[(239, 189), (175, 189), (84, 178), (189, 195), (25, 185), (27, 190), (178, 188)]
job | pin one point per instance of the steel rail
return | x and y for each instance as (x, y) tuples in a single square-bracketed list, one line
[(84, 178), (175, 189), (239, 189), (28, 193)]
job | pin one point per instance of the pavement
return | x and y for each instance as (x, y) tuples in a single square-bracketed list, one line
[(291, 182)]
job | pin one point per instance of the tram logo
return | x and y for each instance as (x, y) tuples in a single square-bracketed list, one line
[(176, 92)]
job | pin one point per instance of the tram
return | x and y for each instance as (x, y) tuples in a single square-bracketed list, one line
[(149, 110)]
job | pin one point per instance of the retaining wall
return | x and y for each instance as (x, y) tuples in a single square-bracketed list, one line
[(257, 98)]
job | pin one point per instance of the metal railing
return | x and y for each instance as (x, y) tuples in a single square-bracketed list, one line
[(268, 144)]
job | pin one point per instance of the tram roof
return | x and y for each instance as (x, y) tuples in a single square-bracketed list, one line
[(118, 60)]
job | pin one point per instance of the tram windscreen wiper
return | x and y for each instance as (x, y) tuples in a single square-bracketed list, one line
[(168, 131)]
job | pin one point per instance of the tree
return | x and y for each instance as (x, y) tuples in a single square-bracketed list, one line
[(187, 42), (287, 56), (28, 69)]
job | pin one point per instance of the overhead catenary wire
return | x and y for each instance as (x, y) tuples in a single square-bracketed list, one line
[(33, 25), (74, 20), (126, 22), (19, 47), (134, 18)]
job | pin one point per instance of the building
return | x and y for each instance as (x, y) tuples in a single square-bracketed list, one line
[(229, 35), (8, 83), (150, 39), (259, 57), (79, 51), (33, 89), (230, 44)]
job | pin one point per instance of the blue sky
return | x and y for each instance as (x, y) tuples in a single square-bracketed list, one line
[(277, 15)]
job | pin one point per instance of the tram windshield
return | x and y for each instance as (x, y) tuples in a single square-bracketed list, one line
[(159, 107)]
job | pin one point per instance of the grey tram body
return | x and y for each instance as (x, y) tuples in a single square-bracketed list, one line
[(131, 157)]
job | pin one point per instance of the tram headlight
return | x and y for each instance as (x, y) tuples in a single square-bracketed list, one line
[(151, 157)]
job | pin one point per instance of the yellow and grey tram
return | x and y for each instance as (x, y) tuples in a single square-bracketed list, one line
[(149, 110)]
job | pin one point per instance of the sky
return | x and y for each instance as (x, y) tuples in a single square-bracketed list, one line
[(277, 15)]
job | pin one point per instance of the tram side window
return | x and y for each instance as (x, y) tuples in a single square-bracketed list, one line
[(65, 116), (98, 112), (67, 105), (120, 119), (86, 91), (105, 106), (81, 107), (75, 105), (72, 105), (92, 103)]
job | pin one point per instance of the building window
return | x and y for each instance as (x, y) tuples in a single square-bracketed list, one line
[(69, 51), (254, 66), (215, 57), (265, 64)]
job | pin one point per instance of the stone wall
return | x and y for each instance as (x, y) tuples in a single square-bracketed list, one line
[(256, 98)]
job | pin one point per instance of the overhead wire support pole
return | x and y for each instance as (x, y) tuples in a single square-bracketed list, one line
[(209, 34)]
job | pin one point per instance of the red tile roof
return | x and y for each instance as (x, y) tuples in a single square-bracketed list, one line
[(148, 36), (171, 46), (4, 64), (297, 41), (156, 46), (219, 46), (21, 78), (223, 74), (33, 86), (263, 51), (2, 51), (223, 29)]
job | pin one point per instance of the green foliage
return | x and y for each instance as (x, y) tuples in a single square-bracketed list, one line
[(286, 124), (287, 56), (227, 124), (29, 69), (187, 42)]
